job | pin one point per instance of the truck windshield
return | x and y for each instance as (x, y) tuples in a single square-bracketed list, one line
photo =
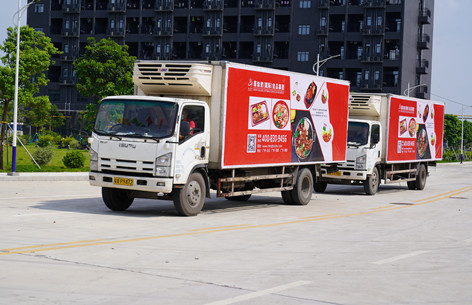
[(357, 133), (136, 118)]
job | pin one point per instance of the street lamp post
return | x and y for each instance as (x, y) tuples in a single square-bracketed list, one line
[(319, 62), (20, 12), (409, 89)]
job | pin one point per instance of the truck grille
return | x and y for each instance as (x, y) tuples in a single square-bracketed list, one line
[(129, 166)]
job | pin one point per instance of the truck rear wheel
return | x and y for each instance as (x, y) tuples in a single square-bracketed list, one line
[(287, 197), (303, 189), (189, 200), (116, 199), (421, 175), (371, 184)]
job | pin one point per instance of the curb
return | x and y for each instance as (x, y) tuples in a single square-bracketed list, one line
[(67, 176)]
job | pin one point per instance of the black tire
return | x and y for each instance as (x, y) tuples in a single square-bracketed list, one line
[(371, 184), (287, 197), (116, 199), (303, 189), (320, 187), (411, 185), (239, 198), (421, 176), (189, 200)]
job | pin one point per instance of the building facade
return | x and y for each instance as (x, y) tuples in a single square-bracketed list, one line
[(378, 45)]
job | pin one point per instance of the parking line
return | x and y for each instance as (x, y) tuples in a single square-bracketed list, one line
[(399, 257), (260, 293)]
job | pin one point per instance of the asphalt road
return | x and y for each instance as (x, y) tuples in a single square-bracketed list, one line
[(59, 244)]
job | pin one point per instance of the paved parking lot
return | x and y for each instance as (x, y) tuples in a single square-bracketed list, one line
[(59, 244)]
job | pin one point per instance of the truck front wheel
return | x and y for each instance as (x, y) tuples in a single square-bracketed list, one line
[(371, 184), (189, 200), (116, 199), (301, 193)]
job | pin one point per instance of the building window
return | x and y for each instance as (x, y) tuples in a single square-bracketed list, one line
[(304, 29), (39, 29), (369, 21), (323, 22), (377, 75), (39, 8), (305, 4), (366, 75), (377, 48), (302, 56), (379, 21)]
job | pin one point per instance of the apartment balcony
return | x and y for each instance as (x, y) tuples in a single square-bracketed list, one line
[(264, 5), (71, 7), (424, 42), (324, 4), (323, 31), (373, 31), (424, 16), (212, 31), (70, 33), (261, 58), (213, 5), (160, 31), (164, 5), (265, 31), (116, 7), (116, 32), (422, 67), (377, 58), (374, 4)]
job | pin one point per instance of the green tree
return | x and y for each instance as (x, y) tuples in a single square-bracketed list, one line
[(39, 112), (453, 131), (35, 58), (105, 69)]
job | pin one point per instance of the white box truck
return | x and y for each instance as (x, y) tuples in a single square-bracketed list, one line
[(233, 128), (390, 138)]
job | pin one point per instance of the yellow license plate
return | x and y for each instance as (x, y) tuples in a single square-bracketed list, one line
[(338, 173), (123, 181)]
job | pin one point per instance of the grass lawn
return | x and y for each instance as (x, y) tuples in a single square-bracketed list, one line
[(25, 164)]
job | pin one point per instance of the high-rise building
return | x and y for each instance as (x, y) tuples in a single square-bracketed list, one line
[(378, 45)]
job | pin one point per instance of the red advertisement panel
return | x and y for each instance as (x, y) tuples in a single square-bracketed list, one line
[(283, 118), (415, 130)]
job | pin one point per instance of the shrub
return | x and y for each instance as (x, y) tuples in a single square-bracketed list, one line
[(73, 144), (74, 159), (45, 140), (43, 155)]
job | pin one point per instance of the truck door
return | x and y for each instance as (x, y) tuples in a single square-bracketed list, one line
[(193, 142), (375, 143)]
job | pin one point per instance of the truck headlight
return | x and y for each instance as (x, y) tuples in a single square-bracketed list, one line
[(163, 165), (360, 162), (93, 160)]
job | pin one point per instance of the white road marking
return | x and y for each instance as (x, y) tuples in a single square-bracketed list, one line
[(399, 257), (260, 293)]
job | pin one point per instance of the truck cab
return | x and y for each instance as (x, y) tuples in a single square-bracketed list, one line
[(363, 155), (147, 145)]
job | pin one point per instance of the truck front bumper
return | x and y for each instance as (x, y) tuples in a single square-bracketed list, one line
[(344, 174), (146, 184)]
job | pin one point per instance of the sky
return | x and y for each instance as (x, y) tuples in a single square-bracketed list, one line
[(452, 45)]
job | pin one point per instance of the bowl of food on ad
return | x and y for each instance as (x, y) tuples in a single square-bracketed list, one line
[(310, 94), (303, 139), (280, 114)]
